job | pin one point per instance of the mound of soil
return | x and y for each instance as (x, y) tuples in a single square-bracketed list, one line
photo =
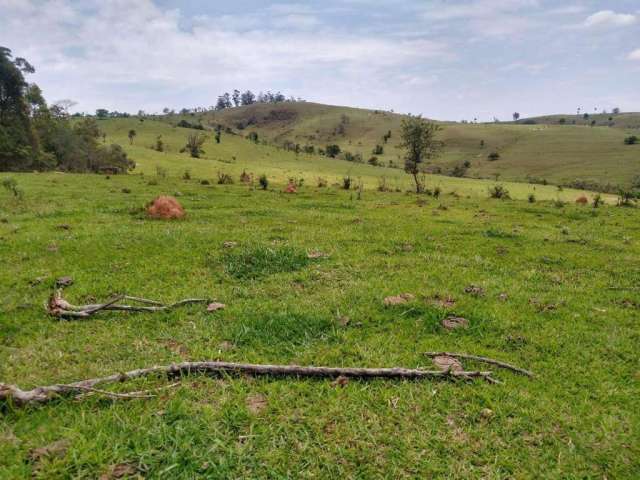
[(165, 207)]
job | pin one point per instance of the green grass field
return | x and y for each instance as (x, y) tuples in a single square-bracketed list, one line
[(560, 298), (560, 154)]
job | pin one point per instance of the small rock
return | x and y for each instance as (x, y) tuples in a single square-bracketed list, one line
[(212, 307), (341, 381), (63, 226), (447, 363), (64, 281), (316, 254), (474, 290), (229, 244), (486, 413), (399, 299), (452, 323), (503, 297)]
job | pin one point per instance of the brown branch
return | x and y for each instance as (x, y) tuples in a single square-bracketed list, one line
[(47, 393), (59, 307), (487, 360)]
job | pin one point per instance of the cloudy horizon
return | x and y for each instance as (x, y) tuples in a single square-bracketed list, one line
[(443, 59)]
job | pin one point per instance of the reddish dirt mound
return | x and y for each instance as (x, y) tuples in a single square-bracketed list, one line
[(582, 200), (165, 207), (291, 188)]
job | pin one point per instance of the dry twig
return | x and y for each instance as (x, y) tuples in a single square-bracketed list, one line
[(487, 360), (47, 393), (57, 306)]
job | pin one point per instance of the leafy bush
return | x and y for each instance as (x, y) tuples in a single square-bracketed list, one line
[(531, 198), (186, 175), (11, 185), (499, 192), (332, 151), (597, 201), (631, 140), (373, 161), (346, 182), (322, 182), (493, 156), (194, 145), (378, 150)]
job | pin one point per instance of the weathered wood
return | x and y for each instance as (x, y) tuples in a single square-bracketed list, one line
[(47, 393), (487, 360)]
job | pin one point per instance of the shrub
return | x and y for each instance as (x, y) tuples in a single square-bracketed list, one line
[(322, 182), (531, 198), (582, 200), (159, 146), (558, 203), (382, 185), (194, 145), (263, 181), (224, 179), (346, 182), (631, 140), (11, 185), (186, 175), (373, 161), (436, 192), (626, 198), (597, 201), (378, 150), (493, 156), (205, 182), (253, 136), (332, 151), (245, 177), (499, 191)]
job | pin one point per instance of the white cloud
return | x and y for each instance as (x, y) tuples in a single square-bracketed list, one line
[(609, 18), (635, 55)]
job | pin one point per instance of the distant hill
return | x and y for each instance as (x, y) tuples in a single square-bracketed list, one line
[(537, 149), (627, 120)]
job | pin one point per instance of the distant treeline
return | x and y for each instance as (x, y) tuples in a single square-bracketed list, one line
[(37, 136)]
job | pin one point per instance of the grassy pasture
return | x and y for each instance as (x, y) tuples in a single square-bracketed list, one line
[(570, 313)]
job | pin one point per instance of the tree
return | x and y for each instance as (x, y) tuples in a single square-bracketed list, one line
[(418, 138), (516, 116), (102, 113), (236, 98), (616, 111), (132, 134), (247, 98)]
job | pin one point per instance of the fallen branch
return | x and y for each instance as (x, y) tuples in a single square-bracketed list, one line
[(487, 360), (57, 306), (47, 393)]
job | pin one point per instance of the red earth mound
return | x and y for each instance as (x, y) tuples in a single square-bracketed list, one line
[(165, 207)]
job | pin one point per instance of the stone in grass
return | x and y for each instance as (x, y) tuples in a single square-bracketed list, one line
[(64, 281), (453, 323), (313, 254), (215, 306), (447, 363), (398, 299), (474, 290)]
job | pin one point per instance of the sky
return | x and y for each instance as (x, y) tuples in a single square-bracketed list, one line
[(444, 59)]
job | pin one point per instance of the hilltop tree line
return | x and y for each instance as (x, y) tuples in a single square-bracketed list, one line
[(37, 136)]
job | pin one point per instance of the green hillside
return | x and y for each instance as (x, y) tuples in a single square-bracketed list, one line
[(559, 154), (236, 154)]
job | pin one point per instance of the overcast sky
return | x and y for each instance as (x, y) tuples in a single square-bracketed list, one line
[(445, 59)]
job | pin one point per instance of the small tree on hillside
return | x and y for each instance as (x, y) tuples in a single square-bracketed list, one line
[(194, 145), (516, 116), (132, 134), (418, 138)]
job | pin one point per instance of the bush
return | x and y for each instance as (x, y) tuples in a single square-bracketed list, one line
[(531, 198), (159, 146), (493, 156), (346, 182), (373, 161), (499, 192), (378, 150), (597, 201), (11, 185), (631, 140), (186, 175), (245, 177), (436, 192), (382, 185), (205, 182), (332, 151), (626, 198), (322, 182), (263, 181), (558, 203), (224, 179)]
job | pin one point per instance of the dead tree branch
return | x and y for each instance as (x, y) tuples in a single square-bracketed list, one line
[(57, 306), (47, 393), (487, 360)]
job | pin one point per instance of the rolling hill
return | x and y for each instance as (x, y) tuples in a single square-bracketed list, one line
[(533, 150)]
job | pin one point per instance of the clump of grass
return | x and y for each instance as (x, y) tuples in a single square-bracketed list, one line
[(11, 185), (531, 198), (224, 179), (263, 181), (258, 261), (346, 182)]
